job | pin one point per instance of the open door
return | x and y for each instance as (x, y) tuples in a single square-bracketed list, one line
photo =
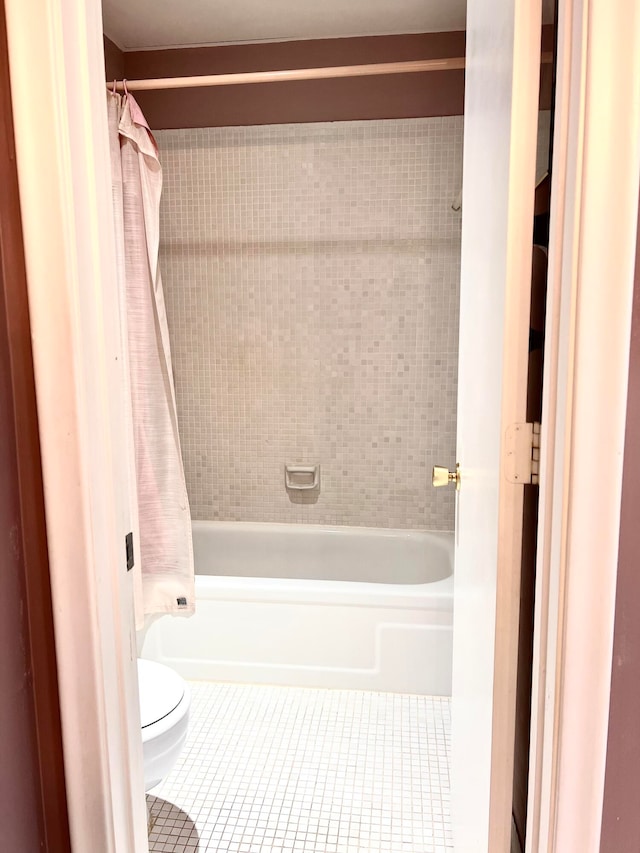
[(494, 449)]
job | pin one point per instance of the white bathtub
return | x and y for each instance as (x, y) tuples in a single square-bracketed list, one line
[(303, 605)]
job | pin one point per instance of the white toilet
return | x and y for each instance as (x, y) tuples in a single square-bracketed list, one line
[(164, 717)]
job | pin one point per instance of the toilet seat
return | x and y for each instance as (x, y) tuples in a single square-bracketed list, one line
[(161, 690)]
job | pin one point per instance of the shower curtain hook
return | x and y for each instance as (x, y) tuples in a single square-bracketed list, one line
[(115, 87), (124, 83)]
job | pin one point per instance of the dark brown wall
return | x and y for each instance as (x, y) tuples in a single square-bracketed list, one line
[(20, 795), (621, 811), (546, 69), (113, 61), (434, 93), (33, 810), (394, 96)]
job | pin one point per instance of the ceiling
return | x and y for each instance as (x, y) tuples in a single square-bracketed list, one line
[(138, 24)]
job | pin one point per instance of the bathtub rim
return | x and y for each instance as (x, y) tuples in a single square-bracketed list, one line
[(431, 595), (434, 596), (446, 536)]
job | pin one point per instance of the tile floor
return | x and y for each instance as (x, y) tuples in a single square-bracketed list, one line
[(284, 770)]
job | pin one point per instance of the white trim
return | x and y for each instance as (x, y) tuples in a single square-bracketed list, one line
[(240, 42), (553, 448), (64, 168), (500, 133), (525, 87), (592, 255)]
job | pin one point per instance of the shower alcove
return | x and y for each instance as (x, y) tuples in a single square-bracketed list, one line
[(310, 247), (311, 278)]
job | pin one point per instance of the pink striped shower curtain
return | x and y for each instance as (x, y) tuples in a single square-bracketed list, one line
[(165, 552)]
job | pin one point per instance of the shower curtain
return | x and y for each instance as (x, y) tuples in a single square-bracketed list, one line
[(165, 552)]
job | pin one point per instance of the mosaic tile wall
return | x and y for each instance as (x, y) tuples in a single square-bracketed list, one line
[(311, 276)]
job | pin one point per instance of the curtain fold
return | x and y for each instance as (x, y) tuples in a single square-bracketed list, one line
[(165, 558)]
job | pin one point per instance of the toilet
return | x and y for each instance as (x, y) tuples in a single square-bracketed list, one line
[(164, 718)]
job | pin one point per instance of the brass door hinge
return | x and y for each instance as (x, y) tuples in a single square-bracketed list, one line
[(522, 453)]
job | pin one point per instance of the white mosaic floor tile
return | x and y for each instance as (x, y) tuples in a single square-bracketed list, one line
[(294, 770)]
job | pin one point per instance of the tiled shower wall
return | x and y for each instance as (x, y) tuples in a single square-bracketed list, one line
[(311, 277)]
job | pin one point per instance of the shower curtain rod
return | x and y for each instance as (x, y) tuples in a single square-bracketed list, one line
[(382, 68)]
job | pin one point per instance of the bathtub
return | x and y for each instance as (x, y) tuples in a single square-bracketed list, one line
[(304, 605)]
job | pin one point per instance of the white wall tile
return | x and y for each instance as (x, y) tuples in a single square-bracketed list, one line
[(311, 277)]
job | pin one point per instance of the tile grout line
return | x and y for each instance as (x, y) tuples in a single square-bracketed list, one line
[(300, 770)]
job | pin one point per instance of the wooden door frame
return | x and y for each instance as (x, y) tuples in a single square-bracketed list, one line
[(36, 640), (57, 83), (594, 201)]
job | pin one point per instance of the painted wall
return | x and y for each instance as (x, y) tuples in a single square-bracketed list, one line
[(21, 791), (620, 815), (33, 803), (311, 277), (114, 64), (439, 93), (396, 96)]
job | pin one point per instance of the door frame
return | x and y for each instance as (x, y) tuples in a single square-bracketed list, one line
[(34, 803), (63, 167), (596, 173), (77, 340)]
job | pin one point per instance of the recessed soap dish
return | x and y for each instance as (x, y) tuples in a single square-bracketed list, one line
[(302, 477)]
